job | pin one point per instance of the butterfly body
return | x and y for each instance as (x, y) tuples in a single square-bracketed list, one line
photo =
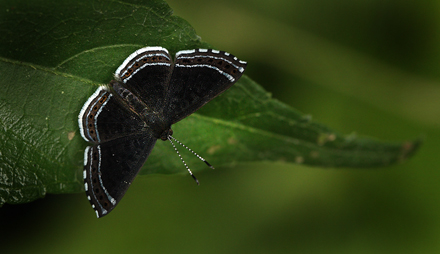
[(150, 92), (152, 120)]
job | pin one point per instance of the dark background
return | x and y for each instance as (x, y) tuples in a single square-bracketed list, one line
[(364, 67)]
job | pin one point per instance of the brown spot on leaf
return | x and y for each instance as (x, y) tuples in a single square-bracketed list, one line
[(213, 149), (70, 135)]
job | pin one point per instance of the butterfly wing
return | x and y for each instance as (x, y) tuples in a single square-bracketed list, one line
[(110, 168), (103, 118), (122, 144), (199, 76), (146, 74)]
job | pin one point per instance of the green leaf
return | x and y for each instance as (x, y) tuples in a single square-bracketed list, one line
[(52, 58)]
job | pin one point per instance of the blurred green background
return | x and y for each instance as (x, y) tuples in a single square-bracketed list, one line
[(369, 67)]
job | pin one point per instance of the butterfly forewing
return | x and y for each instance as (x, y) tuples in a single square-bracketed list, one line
[(199, 76), (104, 118), (146, 74)]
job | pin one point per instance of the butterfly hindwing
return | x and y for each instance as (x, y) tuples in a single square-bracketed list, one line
[(111, 167), (199, 75), (146, 74)]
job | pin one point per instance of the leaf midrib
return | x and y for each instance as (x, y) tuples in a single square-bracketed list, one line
[(230, 124)]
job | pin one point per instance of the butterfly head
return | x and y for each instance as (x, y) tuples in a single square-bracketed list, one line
[(165, 134)]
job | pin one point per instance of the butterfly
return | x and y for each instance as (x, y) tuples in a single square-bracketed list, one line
[(124, 119)]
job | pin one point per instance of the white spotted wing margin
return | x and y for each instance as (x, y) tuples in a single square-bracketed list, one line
[(110, 168)]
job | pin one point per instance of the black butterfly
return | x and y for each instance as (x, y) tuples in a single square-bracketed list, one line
[(151, 92)]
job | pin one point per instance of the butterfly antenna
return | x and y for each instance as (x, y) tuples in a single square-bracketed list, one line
[(184, 163), (189, 149)]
